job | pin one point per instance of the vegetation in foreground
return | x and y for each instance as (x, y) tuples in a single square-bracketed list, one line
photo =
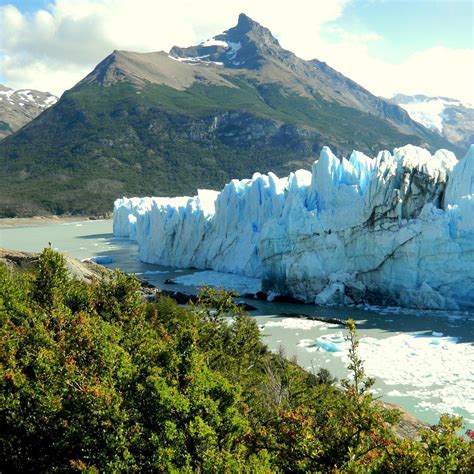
[(94, 379)]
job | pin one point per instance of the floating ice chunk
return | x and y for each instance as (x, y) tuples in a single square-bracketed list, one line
[(327, 345), (443, 380), (241, 284), (334, 343), (396, 393), (305, 343), (272, 295)]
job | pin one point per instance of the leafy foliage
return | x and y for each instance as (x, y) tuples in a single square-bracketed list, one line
[(93, 378)]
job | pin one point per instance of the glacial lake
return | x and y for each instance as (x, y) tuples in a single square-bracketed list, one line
[(422, 361)]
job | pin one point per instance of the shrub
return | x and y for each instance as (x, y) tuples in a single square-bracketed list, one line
[(94, 379)]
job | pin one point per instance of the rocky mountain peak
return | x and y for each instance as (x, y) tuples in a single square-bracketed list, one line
[(250, 30), (246, 45), (246, 23)]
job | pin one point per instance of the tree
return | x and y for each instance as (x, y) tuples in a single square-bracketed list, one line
[(93, 378)]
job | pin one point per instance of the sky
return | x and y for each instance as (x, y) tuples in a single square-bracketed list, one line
[(388, 46)]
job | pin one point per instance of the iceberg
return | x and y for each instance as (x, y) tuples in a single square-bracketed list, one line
[(397, 230), (330, 343)]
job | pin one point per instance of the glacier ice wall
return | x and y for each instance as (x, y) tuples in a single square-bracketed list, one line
[(395, 229)]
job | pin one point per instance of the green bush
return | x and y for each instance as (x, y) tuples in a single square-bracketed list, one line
[(94, 379)]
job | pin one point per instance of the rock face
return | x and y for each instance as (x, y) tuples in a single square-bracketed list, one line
[(17, 108), (394, 230), (450, 118)]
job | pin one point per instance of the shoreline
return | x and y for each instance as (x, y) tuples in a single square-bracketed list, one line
[(9, 222)]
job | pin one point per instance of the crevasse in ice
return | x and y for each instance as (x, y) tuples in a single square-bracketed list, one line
[(395, 229)]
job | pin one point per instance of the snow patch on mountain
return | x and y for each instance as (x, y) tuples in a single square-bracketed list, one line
[(396, 230), (41, 100), (196, 59), (214, 42), (451, 118), (429, 113), (18, 107)]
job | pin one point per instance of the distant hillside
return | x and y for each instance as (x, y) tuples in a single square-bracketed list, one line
[(167, 124), (451, 118), (18, 107)]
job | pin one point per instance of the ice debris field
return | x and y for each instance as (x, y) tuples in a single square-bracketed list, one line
[(444, 385), (397, 229)]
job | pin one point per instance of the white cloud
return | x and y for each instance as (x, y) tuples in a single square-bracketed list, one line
[(52, 50), (436, 71), (74, 35), (52, 76)]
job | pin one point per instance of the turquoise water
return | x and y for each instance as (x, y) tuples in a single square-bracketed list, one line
[(422, 361)]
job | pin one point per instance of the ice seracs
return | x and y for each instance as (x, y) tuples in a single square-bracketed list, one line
[(396, 229)]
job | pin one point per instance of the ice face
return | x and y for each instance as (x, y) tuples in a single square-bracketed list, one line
[(461, 183), (397, 229)]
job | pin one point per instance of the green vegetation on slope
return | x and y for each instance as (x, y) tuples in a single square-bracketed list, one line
[(94, 379), (99, 143)]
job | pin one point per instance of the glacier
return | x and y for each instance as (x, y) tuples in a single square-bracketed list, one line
[(397, 229)]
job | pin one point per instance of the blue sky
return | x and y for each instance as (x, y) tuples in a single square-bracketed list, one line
[(388, 46), (27, 5), (410, 25)]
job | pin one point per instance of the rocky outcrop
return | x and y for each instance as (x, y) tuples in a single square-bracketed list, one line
[(26, 261)]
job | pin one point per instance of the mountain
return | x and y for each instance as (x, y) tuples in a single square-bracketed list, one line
[(451, 118), (169, 123), (18, 107)]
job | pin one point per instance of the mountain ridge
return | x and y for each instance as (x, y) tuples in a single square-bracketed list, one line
[(18, 107), (168, 124)]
